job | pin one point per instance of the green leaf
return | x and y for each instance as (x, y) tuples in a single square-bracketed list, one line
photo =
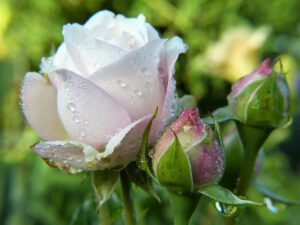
[(223, 195), (140, 178), (221, 115), (188, 101), (144, 161), (174, 169), (104, 182), (276, 197)]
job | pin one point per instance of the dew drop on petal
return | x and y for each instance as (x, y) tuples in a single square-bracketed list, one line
[(97, 65), (71, 107), (138, 92), (82, 133), (121, 84), (76, 119)]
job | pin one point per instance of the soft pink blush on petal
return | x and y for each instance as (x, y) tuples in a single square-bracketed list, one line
[(38, 98), (133, 80), (262, 71), (88, 113), (121, 149), (88, 52)]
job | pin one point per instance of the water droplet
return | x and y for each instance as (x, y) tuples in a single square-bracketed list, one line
[(86, 122), (78, 160), (82, 133), (226, 209), (151, 152), (79, 45), (71, 107), (131, 101), (97, 65), (70, 158), (273, 206), (76, 119), (138, 92), (121, 84)]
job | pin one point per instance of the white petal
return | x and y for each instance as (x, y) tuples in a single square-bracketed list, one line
[(123, 147), (170, 53), (151, 32), (38, 98), (133, 80), (87, 52), (63, 60), (102, 18), (75, 156), (88, 113)]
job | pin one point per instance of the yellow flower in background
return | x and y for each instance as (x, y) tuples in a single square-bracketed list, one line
[(236, 53), (5, 15)]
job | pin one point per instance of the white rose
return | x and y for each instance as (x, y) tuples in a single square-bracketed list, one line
[(94, 97)]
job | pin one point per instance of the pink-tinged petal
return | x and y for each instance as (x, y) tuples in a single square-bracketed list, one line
[(87, 52), (74, 156), (133, 80), (169, 110), (38, 98), (169, 55), (88, 113), (63, 60), (124, 146), (261, 72)]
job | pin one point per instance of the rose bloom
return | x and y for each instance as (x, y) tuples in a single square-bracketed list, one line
[(94, 97)]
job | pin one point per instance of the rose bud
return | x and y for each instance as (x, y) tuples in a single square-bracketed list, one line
[(198, 143), (94, 97), (261, 98)]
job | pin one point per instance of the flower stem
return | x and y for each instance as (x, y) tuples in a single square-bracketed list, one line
[(183, 207), (127, 201), (103, 214), (252, 139)]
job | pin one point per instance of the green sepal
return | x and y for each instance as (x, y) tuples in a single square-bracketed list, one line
[(139, 177), (225, 196), (144, 160), (220, 115), (104, 182), (174, 169)]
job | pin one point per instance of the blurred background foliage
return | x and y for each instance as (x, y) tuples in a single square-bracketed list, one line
[(226, 39)]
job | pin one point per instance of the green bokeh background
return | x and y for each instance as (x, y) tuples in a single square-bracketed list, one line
[(33, 193)]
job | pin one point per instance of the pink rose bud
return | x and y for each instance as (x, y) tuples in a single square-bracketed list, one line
[(198, 143), (261, 98)]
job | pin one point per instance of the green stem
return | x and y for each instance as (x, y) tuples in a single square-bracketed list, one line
[(127, 201), (103, 214), (183, 207), (252, 139)]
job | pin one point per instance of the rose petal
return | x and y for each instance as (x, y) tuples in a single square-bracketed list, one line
[(133, 80), (151, 32), (170, 53), (88, 113), (38, 98), (75, 156), (67, 155), (124, 146), (102, 18), (63, 60), (89, 53)]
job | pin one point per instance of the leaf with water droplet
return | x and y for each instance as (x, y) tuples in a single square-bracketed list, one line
[(226, 209), (223, 195)]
